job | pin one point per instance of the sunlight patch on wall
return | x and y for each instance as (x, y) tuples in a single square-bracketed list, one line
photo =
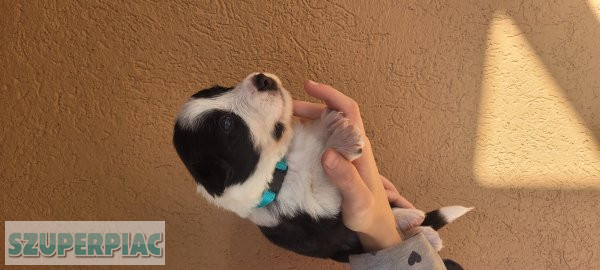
[(595, 7), (528, 134)]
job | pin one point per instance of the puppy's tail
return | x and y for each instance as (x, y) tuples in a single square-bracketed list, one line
[(439, 218)]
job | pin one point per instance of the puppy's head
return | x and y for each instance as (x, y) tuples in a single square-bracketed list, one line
[(230, 138)]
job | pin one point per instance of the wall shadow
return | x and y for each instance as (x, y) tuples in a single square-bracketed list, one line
[(523, 228), (431, 111), (90, 90)]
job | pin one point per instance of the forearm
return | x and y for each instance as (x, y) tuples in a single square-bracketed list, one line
[(380, 239)]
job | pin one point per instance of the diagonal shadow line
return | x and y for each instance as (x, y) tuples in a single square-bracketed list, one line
[(529, 203), (555, 44), (571, 42), (525, 204)]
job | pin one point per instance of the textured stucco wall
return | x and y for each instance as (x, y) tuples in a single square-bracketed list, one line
[(89, 92)]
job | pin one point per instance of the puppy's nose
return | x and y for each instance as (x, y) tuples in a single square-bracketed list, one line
[(264, 83)]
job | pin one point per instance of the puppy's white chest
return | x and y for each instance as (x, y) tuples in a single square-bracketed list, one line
[(306, 188)]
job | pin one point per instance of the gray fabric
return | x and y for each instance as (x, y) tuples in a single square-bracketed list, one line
[(414, 253)]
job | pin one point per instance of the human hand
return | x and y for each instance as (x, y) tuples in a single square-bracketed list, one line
[(393, 195), (365, 207)]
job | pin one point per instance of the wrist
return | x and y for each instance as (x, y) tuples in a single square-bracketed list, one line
[(380, 239)]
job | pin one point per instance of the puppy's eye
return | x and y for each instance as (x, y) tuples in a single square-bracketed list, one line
[(226, 122)]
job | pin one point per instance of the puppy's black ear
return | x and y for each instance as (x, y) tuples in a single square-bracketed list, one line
[(213, 173)]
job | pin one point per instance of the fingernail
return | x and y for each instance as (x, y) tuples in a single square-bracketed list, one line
[(331, 160), (312, 82)]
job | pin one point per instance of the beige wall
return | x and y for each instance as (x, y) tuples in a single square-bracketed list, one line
[(492, 104)]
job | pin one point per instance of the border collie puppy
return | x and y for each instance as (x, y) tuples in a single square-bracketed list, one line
[(248, 155)]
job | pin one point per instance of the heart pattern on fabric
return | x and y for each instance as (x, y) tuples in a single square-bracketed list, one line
[(414, 258)]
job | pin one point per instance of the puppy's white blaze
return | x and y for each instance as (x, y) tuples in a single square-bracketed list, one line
[(451, 213), (194, 108)]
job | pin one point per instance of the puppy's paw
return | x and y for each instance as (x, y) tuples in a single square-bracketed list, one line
[(432, 236), (407, 218), (344, 137)]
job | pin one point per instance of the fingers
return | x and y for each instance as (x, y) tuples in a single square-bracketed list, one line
[(335, 100), (308, 110), (387, 184), (343, 174), (393, 195), (397, 200)]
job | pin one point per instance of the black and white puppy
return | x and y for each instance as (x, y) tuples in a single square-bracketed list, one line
[(248, 155)]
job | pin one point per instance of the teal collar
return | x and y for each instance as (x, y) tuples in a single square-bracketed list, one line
[(270, 193)]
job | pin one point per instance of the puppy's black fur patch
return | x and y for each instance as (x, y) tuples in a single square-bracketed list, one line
[(212, 92), (278, 131), (324, 238), (217, 157)]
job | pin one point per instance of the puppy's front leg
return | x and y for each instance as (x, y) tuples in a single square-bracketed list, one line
[(342, 136)]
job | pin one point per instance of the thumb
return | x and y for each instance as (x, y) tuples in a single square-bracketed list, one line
[(344, 175)]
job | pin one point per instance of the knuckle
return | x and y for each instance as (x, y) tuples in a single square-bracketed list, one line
[(348, 178), (352, 105), (367, 144), (366, 205)]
